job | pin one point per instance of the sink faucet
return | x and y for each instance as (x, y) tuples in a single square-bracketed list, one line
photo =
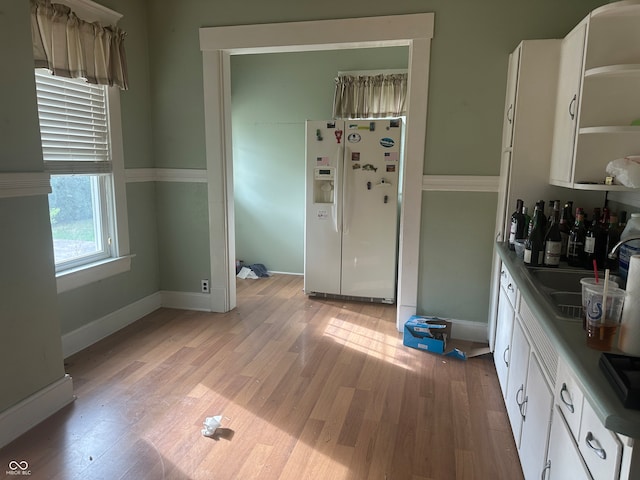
[(614, 251)]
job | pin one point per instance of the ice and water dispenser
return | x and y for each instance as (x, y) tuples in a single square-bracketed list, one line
[(323, 185)]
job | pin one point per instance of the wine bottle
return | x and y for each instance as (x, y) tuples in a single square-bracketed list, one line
[(550, 215), (517, 224), (553, 239), (534, 244), (575, 245), (565, 228), (571, 219), (591, 238)]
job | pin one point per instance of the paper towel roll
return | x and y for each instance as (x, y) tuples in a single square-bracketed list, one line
[(629, 339)]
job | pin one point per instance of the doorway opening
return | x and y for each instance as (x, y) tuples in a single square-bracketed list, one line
[(218, 44)]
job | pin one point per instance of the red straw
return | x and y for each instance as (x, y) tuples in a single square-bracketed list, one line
[(595, 269)]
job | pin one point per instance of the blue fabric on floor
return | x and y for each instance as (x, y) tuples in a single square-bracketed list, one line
[(259, 269)]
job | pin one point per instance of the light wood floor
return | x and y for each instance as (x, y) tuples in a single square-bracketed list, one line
[(308, 389)]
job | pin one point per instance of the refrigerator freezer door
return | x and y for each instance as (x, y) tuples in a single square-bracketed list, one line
[(370, 214), (323, 215)]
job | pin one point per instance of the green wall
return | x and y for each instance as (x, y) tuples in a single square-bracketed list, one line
[(30, 346), (272, 96), (183, 221), (456, 237)]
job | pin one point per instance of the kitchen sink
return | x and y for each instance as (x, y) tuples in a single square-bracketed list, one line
[(559, 280), (568, 304), (562, 289)]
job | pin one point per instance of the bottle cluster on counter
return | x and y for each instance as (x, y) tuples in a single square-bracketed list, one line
[(559, 235)]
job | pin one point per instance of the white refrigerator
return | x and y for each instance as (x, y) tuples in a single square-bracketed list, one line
[(351, 216)]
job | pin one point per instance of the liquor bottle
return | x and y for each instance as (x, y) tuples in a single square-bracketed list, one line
[(565, 228), (613, 236), (517, 224), (534, 244), (575, 245), (591, 247), (553, 239)]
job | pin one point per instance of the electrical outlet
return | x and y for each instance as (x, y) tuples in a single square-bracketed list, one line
[(205, 286)]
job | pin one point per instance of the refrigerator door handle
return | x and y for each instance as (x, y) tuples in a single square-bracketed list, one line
[(337, 191), (344, 190)]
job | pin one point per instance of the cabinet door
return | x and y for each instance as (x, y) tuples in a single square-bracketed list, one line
[(504, 328), (600, 448), (536, 422), (516, 380), (564, 460), (510, 102), (567, 103)]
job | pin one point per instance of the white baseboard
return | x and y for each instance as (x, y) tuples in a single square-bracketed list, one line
[(471, 331), (91, 333), (186, 300), (34, 409)]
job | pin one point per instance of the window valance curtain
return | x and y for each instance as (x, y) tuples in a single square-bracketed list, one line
[(370, 96), (71, 47)]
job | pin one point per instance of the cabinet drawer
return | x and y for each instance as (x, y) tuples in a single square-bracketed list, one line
[(599, 447), (508, 285), (569, 398)]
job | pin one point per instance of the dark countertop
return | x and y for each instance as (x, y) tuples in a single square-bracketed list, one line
[(569, 339)]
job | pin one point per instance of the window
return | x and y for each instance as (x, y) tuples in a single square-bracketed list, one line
[(78, 151)]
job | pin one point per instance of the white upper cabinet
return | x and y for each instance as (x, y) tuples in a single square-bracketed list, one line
[(569, 82), (527, 130), (510, 102), (598, 97)]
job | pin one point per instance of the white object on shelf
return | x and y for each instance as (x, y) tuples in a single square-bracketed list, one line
[(626, 171)]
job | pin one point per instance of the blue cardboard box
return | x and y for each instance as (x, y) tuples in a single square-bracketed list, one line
[(430, 334)]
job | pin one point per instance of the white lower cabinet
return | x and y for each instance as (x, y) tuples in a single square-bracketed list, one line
[(564, 460), (529, 403), (556, 430), (502, 348), (536, 421), (515, 398)]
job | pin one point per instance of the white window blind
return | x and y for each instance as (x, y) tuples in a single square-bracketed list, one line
[(74, 125)]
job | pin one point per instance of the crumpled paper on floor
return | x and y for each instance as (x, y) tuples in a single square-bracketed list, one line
[(246, 272), (210, 425)]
